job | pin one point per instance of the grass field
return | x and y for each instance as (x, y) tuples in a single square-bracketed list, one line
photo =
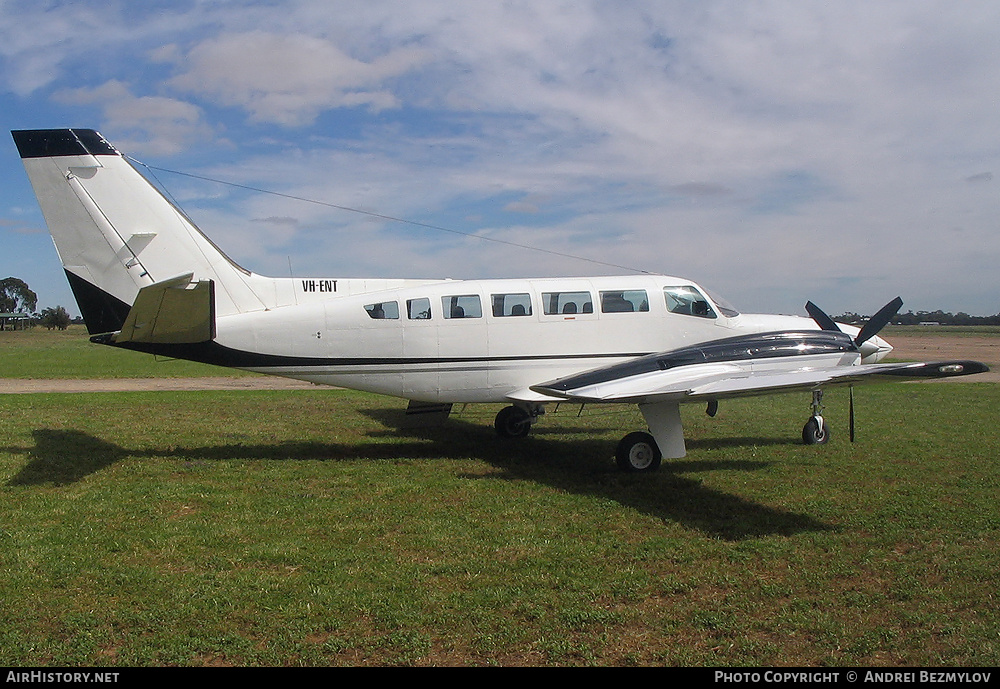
[(39, 353), (299, 528)]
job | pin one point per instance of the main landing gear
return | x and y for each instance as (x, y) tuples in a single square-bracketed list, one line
[(816, 431), (638, 452), (515, 422)]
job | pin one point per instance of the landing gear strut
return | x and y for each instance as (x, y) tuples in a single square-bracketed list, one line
[(816, 431)]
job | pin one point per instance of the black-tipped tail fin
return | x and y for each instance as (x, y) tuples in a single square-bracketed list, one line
[(116, 234)]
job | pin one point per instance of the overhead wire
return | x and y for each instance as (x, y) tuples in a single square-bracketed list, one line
[(381, 216)]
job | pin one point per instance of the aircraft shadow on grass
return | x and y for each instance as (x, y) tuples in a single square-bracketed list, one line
[(581, 466)]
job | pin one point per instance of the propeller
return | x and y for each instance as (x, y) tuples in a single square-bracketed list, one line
[(822, 320), (867, 332), (878, 321)]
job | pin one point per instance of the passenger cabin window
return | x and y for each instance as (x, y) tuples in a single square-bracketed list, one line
[(624, 301), (567, 303), (384, 309), (688, 301), (462, 306), (418, 309), (511, 305)]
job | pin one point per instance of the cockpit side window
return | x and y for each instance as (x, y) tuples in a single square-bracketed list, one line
[(687, 300)]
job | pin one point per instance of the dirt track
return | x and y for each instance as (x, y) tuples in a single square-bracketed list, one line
[(913, 348), (938, 348)]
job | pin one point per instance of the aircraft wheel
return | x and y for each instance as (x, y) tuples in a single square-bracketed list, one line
[(815, 433), (512, 422), (638, 452)]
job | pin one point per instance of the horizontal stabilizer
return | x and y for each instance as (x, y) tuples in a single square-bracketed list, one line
[(175, 311)]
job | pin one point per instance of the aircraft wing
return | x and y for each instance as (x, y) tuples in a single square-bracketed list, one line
[(694, 382)]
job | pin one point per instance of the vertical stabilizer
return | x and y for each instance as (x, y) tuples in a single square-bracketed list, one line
[(115, 232)]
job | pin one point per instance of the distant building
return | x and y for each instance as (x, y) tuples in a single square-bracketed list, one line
[(14, 321)]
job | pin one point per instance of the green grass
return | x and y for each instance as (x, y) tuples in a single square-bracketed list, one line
[(163, 529), (44, 354)]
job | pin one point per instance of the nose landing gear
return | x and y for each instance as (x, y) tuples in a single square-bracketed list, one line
[(816, 431)]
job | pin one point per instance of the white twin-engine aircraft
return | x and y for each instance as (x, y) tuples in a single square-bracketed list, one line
[(147, 279)]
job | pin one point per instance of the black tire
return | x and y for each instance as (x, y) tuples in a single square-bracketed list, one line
[(813, 434), (512, 422), (638, 452)]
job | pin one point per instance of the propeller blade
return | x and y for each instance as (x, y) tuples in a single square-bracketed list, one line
[(878, 321), (822, 320)]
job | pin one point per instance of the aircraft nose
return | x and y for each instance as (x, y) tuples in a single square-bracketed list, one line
[(874, 350)]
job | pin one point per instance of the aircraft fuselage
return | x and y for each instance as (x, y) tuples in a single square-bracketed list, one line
[(474, 341)]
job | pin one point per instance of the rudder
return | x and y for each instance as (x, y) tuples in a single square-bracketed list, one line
[(115, 233)]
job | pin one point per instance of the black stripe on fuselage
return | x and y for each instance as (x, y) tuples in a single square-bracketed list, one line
[(220, 355), (732, 349)]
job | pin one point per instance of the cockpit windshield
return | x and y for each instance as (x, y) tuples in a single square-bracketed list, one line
[(727, 309), (689, 301)]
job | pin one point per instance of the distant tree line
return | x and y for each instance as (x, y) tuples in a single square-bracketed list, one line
[(919, 317)]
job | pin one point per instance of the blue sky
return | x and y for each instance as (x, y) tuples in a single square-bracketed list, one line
[(773, 151)]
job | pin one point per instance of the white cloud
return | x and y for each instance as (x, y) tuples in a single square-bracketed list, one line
[(37, 42), (155, 125), (289, 79)]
